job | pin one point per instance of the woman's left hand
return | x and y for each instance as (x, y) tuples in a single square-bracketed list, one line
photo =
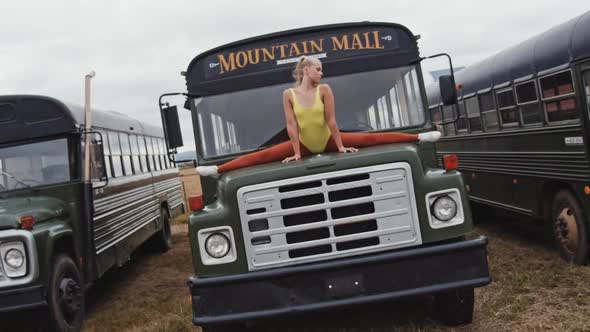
[(345, 150)]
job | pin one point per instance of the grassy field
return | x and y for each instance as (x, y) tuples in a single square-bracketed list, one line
[(533, 290)]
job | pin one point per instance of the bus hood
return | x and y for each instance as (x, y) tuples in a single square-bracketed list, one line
[(320, 163), (40, 208)]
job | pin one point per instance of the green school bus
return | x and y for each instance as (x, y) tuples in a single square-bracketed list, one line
[(60, 233), (522, 132), (333, 229)]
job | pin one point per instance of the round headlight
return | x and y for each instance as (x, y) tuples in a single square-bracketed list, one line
[(217, 245), (14, 258), (444, 208)]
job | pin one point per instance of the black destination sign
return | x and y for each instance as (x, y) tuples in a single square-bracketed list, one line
[(279, 52)]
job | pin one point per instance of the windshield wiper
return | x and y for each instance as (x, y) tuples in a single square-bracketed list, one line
[(15, 179)]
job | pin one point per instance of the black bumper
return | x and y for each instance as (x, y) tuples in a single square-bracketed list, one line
[(317, 286), (21, 298)]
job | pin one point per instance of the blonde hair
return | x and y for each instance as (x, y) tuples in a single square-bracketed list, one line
[(298, 71)]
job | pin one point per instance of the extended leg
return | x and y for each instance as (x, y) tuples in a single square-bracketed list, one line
[(274, 153), (369, 139)]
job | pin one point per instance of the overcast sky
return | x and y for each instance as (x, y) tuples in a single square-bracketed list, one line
[(138, 48)]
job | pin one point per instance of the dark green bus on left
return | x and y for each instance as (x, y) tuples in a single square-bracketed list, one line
[(58, 234)]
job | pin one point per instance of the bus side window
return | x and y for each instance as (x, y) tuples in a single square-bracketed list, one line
[(559, 98), (150, 152), (436, 118), (220, 136), (126, 153), (488, 111), (115, 154), (142, 154), (507, 108), (473, 116), (231, 129), (395, 108), (107, 152), (135, 154), (528, 103), (157, 154), (461, 121), (448, 113), (383, 113), (163, 155), (372, 117)]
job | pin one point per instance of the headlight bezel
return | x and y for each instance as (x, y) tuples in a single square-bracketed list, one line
[(457, 219), (30, 249), (11, 271), (206, 258)]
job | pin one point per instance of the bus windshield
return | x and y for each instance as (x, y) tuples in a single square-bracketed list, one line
[(34, 164), (368, 101)]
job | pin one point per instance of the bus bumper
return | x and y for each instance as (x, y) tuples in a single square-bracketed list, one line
[(22, 298), (339, 283)]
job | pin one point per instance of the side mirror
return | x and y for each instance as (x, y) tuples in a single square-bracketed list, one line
[(172, 127), (98, 170), (448, 90)]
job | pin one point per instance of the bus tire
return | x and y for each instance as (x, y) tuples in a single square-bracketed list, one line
[(162, 240), (569, 228), (455, 307), (65, 295)]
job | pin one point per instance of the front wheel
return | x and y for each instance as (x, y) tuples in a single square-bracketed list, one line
[(65, 295), (569, 228), (455, 307), (162, 240)]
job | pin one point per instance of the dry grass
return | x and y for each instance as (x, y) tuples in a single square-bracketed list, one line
[(148, 294), (533, 290), (181, 220)]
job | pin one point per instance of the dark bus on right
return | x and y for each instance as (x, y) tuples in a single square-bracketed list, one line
[(522, 130)]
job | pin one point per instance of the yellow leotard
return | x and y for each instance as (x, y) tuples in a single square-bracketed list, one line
[(313, 128)]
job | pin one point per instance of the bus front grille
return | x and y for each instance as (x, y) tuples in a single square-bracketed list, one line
[(329, 215)]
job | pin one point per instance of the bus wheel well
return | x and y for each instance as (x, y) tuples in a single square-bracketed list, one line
[(64, 245), (164, 206), (549, 191)]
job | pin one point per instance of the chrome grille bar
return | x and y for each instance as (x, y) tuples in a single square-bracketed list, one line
[(329, 215)]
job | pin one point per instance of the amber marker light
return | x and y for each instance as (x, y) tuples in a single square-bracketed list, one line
[(451, 162), (195, 203), (27, 222), (587, 190)]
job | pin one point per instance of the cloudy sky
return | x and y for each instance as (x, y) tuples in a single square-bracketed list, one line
[(138, 48)]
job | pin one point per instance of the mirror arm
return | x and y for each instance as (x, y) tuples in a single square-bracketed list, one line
[(445, 55), (456, 108), (90, 132), (161, 105), (457, 114), (455, 119)]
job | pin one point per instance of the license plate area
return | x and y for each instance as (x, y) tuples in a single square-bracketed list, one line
[(345, 286)]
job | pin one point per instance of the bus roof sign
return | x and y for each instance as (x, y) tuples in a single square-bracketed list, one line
[(269, 59)]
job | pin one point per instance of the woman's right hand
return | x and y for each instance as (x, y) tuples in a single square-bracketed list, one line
[(295, 157)]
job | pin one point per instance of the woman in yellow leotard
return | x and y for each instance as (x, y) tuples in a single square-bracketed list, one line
[(311, 124)]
